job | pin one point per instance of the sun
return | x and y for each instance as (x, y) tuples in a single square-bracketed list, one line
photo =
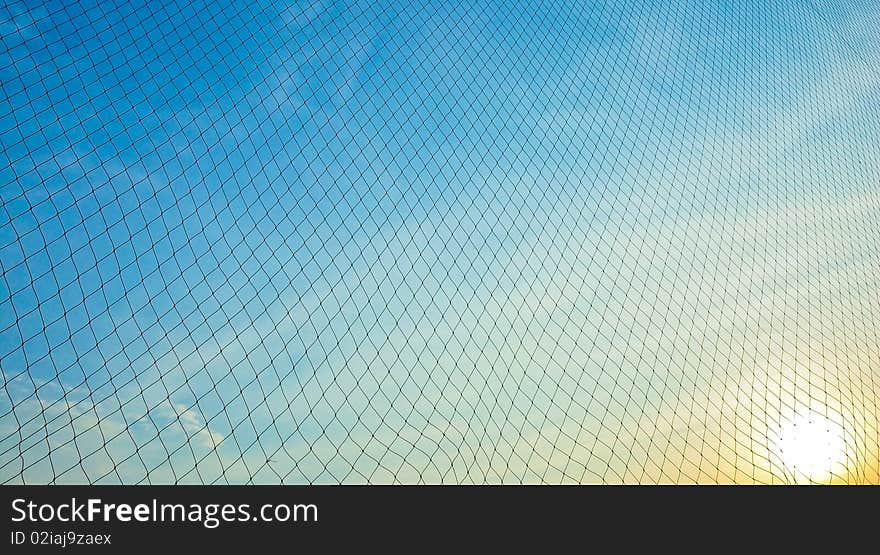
[(810, 446)]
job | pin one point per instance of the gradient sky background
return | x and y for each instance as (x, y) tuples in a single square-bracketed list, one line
[(404, 242)]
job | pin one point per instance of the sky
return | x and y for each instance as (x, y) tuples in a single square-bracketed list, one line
[(509, 242)]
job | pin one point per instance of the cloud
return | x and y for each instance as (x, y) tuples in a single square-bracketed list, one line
[(66, 433), (192, 425)]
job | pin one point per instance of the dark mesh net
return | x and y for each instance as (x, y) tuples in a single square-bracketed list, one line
[(459, 242)]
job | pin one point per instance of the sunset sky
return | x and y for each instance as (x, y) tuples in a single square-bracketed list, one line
[(405, 242)]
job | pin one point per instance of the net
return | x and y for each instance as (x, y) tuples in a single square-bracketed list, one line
[(439, 242)]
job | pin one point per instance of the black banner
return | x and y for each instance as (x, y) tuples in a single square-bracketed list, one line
[(415, 518)]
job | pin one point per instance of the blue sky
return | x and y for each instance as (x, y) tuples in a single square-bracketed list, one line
[(315, 241)]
